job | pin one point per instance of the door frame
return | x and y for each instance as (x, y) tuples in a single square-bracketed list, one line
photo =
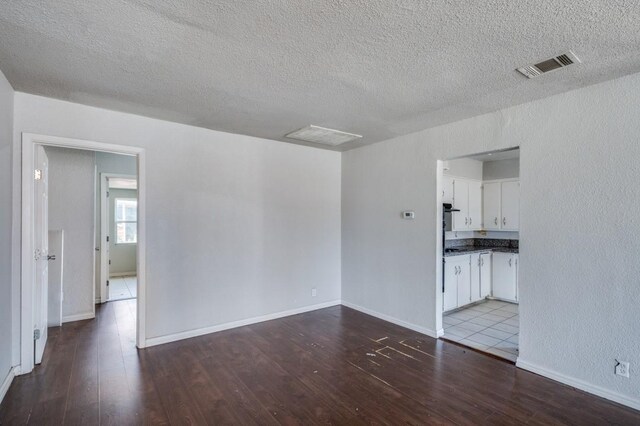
[(29, 142), (104, 228)]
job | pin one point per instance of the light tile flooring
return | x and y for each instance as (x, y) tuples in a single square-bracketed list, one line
[(490, 326), (123, 288)]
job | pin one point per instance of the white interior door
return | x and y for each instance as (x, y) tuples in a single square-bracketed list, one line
[(56, 274), (41, 254)]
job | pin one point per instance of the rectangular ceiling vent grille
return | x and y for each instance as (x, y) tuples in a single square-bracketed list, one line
[(322, 135), (548, 65)]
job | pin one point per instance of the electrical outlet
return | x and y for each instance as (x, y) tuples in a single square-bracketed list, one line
[(314, 293), (622, 368)]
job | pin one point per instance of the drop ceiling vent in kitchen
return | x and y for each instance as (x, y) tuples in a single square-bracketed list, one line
[(548, 65), (317, 134)]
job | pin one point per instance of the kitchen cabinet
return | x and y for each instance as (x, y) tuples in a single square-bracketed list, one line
[(480, 276), (447, 189), (460, 202), (501, 206), (510, 206), (475, 277), (467, 197), (491, 216), (457, 283), (485, 275), (450, 295), (505, 276), (464, 282), (475, 205)]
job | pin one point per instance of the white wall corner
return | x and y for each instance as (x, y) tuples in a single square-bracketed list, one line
[(427, 331), (154, 341), (580, 384), (6, 383)]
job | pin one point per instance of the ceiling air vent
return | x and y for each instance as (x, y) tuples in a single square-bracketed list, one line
[(548, 65), (322, 135)]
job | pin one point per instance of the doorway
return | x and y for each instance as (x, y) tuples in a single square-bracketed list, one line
[(480, 252), (34, 254), (118, 236)]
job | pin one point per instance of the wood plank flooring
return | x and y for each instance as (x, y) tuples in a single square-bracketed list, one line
[(334, 366)]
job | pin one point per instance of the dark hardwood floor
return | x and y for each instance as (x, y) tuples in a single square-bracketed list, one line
[(334, 365)]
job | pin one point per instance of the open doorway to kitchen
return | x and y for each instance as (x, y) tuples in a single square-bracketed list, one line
[(480, 252)]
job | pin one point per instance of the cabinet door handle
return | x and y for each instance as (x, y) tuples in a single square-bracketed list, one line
[(466, 220), (495, 221), (504, 221), (510, 262), (470, 220)]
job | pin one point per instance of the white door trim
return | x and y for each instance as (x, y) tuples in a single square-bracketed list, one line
[(29, 141), (104, 229)]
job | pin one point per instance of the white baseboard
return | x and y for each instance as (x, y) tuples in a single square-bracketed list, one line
[(228, 325), (78, 317), (6, 383), (396, 321), (123, 274), (580, 384), (440, 332)]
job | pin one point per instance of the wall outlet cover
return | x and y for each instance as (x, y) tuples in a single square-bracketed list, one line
[(622, 368)]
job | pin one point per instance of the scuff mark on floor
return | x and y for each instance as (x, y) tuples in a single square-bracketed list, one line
[(416, 349), (372, 375)]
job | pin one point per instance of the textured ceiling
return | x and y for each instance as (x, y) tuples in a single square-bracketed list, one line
[(378, 68)]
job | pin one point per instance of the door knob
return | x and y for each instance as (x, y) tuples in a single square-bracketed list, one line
[(51, 257)]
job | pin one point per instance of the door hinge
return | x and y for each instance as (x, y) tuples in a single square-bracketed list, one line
[(36, 334), (37, 174), (107, 283)]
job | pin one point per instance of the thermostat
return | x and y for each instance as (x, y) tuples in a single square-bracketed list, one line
[(408, 215)]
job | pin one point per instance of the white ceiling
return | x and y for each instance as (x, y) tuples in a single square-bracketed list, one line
[(378, 68)]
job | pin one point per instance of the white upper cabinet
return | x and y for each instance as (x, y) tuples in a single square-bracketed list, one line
[(475, 205), (510, 206), (501, 206), (467, 197), (447, 189), (491, 216), (461, 202)]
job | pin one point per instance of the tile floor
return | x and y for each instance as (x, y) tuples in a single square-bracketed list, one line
[(121, 288), (490, 326)]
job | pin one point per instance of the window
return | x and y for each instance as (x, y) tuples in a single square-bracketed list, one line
[(126, 221)]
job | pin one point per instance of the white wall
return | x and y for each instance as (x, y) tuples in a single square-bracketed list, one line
[(579, 268), (6, 294), (71, 208), (122, 256), (465, 168), (237, 227), (501, 169)]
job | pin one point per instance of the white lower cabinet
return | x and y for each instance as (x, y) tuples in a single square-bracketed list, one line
[(485, 275), (450, 295), (467, 279), (505, 276)]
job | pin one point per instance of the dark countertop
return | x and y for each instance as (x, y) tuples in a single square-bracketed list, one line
[(462, 250)]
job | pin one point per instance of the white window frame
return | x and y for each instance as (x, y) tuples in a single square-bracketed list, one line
[(116, 221)]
